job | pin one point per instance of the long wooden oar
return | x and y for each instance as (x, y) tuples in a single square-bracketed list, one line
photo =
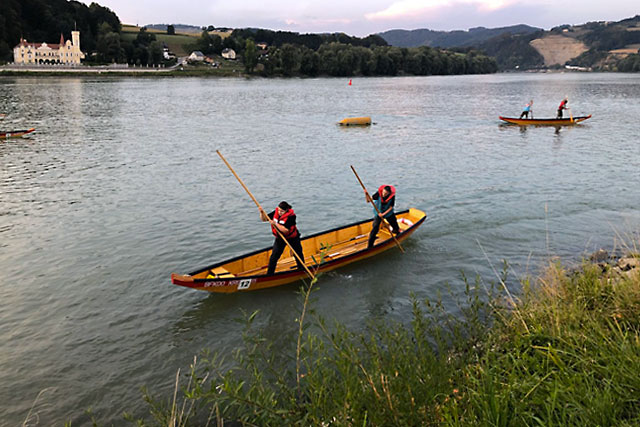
[(262, 210), (376, 208)]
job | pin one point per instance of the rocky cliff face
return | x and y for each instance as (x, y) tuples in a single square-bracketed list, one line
[(557, 49)]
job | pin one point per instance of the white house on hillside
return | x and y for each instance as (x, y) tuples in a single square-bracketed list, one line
[(196, 56), (229, 53)]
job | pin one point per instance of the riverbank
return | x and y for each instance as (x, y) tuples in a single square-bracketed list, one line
[(133, 72), (565, 352)]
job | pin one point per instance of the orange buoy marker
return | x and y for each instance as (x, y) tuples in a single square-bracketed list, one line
[(349, 82)]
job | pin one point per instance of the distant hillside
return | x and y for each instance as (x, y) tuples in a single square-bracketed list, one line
[(601, 45), (596, 45), (446, 39)]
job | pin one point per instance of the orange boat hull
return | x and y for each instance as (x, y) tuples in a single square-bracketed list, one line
[(337, 248), (545, 122)]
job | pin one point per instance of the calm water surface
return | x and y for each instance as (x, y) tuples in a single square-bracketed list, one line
[(120, 186)]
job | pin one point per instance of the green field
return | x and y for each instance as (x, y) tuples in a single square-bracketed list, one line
[(178, 44)]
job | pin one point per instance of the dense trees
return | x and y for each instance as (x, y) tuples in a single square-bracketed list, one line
[(209, 43), (514, 51), (338, 59), (630, 64), (312, 41), (250, 56), (143, 50)]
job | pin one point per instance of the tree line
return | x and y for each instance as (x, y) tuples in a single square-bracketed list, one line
[(630, 64), (292, 54), (339, 59)]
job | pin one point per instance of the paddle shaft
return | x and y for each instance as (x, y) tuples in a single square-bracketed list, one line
[(570, 114), (262, 210), (376, 208)]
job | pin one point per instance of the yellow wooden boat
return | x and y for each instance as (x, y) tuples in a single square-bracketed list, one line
[(355, 121), (567, 121), (340, 246)]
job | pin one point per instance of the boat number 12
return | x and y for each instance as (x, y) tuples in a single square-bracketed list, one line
[(244, 284)]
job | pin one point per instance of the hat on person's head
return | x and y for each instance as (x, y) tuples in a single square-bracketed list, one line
[(284, 206)]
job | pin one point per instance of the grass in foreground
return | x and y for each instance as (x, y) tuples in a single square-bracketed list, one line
[(567, 353)]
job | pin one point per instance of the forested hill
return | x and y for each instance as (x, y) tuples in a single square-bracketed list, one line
[(45, 20), (445, 39), (602, 45)]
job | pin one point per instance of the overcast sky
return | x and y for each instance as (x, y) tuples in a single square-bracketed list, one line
[(360, 17)]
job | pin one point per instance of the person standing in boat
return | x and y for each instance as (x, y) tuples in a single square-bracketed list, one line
[(384, 200), (527, 110), (283, 218), (562, 106)]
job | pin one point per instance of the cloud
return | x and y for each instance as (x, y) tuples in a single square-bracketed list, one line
[(415, 9)]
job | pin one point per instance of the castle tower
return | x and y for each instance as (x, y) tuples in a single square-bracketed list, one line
[(75, 39)]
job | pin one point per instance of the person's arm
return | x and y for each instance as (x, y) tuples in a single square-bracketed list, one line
[(393, 202)]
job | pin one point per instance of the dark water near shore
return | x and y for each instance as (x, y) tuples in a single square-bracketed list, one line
[(120, 186)]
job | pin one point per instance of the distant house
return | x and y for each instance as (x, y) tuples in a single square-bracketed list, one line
[(166, 53), (196, 56), (229, 53), (262, 45)]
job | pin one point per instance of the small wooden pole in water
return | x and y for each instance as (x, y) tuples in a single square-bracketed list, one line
[(376, 208), (262, 210)]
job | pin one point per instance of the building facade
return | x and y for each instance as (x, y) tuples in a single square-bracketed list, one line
[(43, 53)]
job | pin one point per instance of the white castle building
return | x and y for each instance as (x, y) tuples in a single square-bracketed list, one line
[(43, 53)]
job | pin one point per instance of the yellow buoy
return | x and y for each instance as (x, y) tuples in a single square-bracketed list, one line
[(355, 121)]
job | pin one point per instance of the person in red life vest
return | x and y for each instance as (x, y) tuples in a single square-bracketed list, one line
[(284, 219), (562, 106), (384, 200)]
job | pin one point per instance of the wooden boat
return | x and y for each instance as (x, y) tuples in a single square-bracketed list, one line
[(355, 121), (545, 122), (341, 246), (15, 133)]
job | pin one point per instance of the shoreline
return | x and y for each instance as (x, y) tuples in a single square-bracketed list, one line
[(12, 72), (533, 359)]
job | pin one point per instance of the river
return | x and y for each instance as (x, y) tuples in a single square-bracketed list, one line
[(120, 186)]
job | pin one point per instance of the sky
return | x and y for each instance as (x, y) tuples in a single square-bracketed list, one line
[(364, 17)]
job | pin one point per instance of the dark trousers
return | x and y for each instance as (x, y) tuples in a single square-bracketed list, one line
[(559, 113), (278, 247), (524, 114), (376, 226)]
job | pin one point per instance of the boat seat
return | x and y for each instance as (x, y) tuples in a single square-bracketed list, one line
[(219, 273)]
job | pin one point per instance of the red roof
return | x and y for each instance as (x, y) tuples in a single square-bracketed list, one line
[(25, 43)]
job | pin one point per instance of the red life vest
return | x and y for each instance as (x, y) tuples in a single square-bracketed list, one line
[(392, 194), (562, 104), (293, 231)]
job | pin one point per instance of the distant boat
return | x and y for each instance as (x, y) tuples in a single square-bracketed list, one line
[(15, 133), (355, 121), (567, 121), (341, 246)]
